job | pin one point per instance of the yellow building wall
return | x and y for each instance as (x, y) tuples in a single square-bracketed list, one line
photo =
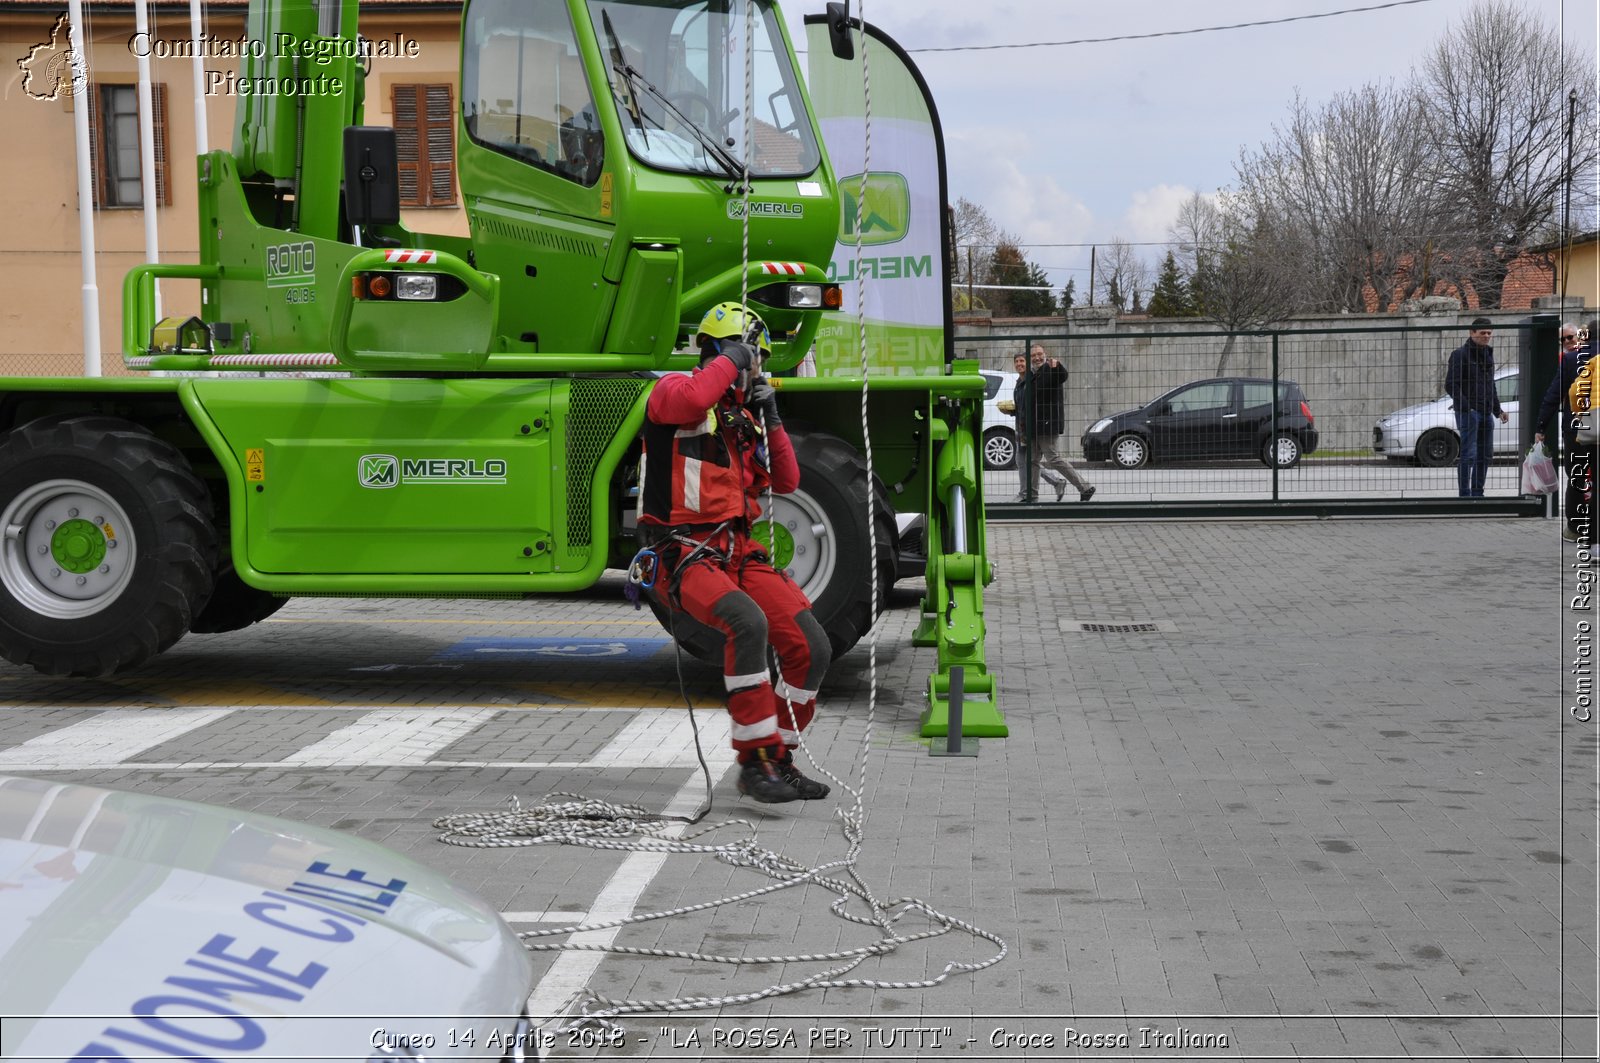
[(1581, 274), (41, 275)]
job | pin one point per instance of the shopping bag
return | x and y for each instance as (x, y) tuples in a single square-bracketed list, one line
[(1538, 472)]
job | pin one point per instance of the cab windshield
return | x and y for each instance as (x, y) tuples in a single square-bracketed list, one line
[(677, 75)]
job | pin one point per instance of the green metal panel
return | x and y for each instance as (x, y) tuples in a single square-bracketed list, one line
[(646, 317), (391, 476)]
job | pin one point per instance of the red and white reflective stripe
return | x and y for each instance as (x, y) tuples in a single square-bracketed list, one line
[(418, 257), (273, 359), (792, 269)]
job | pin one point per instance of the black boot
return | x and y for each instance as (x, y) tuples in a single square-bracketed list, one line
[(760, 778), (808, 789)]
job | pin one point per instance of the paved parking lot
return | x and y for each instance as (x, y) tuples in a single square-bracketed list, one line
[(1307, 789)]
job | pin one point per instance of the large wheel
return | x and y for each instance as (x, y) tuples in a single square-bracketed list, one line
[(818, 536), (999, 449), (1438, 447), (234, 604), (1129, 451), (108, 545), (1283, 451)]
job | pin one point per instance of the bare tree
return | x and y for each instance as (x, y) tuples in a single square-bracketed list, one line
[(976, 236), (1239, 264), (1495, 94), (1122, 272), (1349, 179)]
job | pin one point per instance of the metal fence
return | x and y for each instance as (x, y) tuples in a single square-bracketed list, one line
[(1186, 418)]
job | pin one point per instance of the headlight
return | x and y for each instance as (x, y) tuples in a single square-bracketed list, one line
[(1100, 426), (416, 286), (805, 296)]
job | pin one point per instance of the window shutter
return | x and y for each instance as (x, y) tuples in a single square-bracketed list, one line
[(404, 109), (424, 126), (97, 147), (163, 158), (441, 147)]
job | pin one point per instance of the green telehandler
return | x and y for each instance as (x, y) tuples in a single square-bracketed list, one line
[(356, 408)]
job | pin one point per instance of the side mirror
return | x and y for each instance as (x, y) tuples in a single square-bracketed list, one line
[(371, 176), (839, 31)]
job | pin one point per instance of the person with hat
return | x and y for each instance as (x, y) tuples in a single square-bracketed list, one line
[(714, 445)]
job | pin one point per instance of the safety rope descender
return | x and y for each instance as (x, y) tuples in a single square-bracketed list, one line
[(641, 576)]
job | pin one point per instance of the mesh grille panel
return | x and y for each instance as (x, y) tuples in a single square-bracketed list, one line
[(598, 406)]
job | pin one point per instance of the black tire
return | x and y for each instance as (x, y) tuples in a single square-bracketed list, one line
[(1130, 451), (834, 481), (1437, 448), (114, 592), (234, 604), (1285, 451), (999, 449)]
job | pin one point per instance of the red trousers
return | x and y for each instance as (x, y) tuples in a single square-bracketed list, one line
[(755, 606)]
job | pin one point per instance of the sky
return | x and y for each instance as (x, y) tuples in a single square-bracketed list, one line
[(1079, 144)]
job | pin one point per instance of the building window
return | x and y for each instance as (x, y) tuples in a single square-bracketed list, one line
[(424, 128), (114, 145)]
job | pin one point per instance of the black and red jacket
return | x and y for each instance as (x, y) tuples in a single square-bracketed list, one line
[(702, 464)]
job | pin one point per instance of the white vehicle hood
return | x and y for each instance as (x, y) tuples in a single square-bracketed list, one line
[(132, 925), (1434, 408)]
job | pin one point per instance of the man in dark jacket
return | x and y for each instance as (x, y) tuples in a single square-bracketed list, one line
[(1469, 381), (1047, 385), (1579, 502)]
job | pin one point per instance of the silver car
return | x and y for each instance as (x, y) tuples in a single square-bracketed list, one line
[(134, 926), (999, 419), (1426, 433)]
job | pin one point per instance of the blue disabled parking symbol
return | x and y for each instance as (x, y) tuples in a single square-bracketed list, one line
[(488, 649)]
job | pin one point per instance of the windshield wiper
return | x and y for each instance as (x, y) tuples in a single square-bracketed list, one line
[(620, 65), (730, 165)]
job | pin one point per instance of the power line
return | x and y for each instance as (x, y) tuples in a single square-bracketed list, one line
[(1168, 33)]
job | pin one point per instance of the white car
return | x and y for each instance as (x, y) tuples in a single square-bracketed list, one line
[(138, 927), (999, 425), (1426, 433)]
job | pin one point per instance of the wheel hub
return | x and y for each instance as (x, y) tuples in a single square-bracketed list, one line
[(66, 551), (78, 545), (799, 540), (778, 541)]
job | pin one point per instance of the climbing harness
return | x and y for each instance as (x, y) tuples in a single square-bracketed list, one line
[(570, 819)]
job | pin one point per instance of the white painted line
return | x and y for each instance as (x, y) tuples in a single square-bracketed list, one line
[(389, 738), (107, 739), (368, 762), (571, 971), (394, 737), (663, 738)]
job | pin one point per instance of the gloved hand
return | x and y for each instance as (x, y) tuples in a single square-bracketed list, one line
[(742, 355), (762, 399)]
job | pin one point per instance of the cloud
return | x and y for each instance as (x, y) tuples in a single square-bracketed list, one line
[(1151, 212), (997, 169)]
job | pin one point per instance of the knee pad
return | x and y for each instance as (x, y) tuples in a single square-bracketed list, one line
[(817, 645), (747, 628)]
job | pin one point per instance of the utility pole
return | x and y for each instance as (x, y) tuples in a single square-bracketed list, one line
[(1092, 250)]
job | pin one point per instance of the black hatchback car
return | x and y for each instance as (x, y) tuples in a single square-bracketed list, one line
[(1218, 418)]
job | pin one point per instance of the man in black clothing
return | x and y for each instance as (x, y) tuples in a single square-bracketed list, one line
[(1048, 384), (1469, 381), (1579, 503)]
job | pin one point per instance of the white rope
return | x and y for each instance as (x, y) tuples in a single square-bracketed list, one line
[(570, 819)]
